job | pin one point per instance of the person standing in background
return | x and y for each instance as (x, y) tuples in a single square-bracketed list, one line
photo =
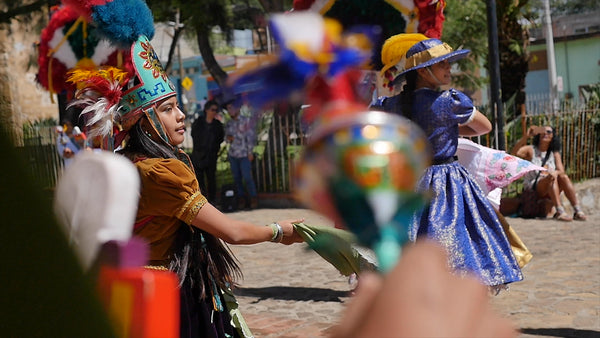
[(207, 134), (240, 134)]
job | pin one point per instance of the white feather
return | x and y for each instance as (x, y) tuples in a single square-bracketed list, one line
[(65, 54)]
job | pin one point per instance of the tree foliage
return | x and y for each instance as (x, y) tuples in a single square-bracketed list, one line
[(201, 17), (513, 41), (21, 10), (465, 27), (566, 7)]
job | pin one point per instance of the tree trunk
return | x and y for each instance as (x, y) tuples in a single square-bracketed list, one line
[(174, 42), (208, 57)]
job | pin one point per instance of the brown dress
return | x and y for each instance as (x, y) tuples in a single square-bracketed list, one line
[(169, 201), (170, 195)]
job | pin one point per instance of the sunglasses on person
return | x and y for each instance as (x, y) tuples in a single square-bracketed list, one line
[(549, 131)]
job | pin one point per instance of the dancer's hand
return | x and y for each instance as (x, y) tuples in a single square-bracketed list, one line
[(290, 236)]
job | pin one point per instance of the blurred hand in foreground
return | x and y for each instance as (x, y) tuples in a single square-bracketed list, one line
[(421, 298)]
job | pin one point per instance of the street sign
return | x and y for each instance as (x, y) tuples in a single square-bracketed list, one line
[(187, 83)]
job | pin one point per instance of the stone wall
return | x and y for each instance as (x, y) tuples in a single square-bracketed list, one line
[(588, 192), (22, 99)]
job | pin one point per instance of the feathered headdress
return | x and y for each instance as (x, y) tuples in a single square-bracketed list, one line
[(119, 21), (100, 95), (123, 89), (68, 42)]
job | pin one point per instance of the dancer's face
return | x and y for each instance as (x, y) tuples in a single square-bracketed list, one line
[(173, 120), (441, 70), (436, 75)]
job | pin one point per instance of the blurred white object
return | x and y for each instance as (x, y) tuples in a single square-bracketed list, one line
[(96, 201)]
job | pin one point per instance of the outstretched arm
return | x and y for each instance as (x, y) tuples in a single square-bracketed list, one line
[(240, 232)]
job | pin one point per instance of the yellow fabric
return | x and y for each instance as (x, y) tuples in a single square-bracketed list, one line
[(169, 194), (426, 55), (394, 48), (520, 251)]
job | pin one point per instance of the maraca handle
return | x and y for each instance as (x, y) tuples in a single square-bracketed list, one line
[(389, 248)]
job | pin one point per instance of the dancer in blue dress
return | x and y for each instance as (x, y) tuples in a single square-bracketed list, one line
[(459, 215)]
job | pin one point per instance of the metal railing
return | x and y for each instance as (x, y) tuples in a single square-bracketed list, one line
[(578, 128), (39, 152), (283, 139)]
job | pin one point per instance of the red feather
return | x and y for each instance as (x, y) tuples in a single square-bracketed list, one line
[(60, 18), (300, 5), (84, 7)]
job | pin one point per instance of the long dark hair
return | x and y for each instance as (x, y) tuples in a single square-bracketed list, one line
[(201, 258), (554, 145), (140, 143), (406, 96)]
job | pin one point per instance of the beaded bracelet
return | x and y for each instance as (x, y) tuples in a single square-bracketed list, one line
[(277, 232)]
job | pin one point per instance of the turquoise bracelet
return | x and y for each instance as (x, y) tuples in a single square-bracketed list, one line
[(277, 232)]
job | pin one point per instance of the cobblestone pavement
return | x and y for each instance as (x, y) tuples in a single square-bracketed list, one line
[(289, 291)]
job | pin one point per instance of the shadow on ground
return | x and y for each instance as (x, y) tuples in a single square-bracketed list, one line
[(293, 293), (562, 332)]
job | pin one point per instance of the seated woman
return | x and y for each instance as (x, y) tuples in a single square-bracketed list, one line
[(551, 183)]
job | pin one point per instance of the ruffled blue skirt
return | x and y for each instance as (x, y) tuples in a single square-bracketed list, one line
[(460, 218)]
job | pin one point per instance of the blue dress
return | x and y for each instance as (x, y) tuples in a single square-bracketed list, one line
[(459, 216)]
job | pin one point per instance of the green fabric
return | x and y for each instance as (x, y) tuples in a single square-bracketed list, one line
[(237, 320), (335, 246)]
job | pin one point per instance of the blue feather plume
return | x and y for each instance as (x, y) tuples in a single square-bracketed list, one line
[(269, 84), (123, 21)]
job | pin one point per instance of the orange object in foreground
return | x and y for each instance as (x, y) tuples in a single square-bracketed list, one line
[(141, 303)]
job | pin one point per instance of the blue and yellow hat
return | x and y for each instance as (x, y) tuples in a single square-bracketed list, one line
[(403, 53)]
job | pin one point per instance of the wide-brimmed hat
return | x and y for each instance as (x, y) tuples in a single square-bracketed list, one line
[(423, 53)]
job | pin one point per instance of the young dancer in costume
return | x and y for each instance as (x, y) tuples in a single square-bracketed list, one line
[(459, 215), (183, 230)]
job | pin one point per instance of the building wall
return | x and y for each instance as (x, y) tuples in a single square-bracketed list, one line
[(577, 62)]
